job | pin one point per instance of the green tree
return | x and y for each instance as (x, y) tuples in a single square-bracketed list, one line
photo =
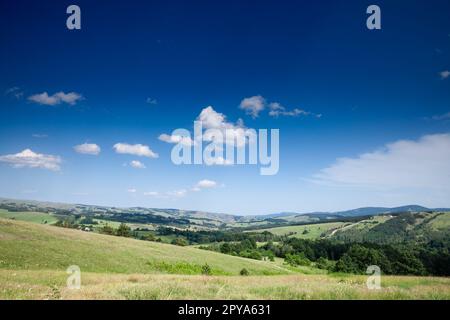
[(123, 230)]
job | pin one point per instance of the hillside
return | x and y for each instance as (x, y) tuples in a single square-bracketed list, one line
[(30, 246), (420, 227), (34, 258), (141, 217)]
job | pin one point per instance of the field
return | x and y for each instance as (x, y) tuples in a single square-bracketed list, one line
[(29, 246), (36, 217), (50, 284), (310, 231), (34, 257)]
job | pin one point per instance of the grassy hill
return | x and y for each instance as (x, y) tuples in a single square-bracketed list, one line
[(309, 231), (34, 257), (36, 217), (383, 229), (30, 246), (416, 227)]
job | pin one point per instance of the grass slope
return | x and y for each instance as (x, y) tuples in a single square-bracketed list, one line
[(36, 217), (52, 285), (32, 246), (419, 227), (34, 257), (313, 231)]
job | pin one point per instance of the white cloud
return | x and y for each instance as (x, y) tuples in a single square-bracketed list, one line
[(151, 101), (135, 149), (132, 190), (151, 194), (199, 186), (276, 110), (444, 74), (444, 116), (403, 164), (253, 105), (206, 184), (15, 92), (137, 164), (177, 193), (218, 161), (88, 148), (187, 141), (30, 159), (211, 119), (39, 135), (60, 97)]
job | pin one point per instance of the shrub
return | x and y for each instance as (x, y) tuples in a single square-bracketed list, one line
[(297, 260), (123, 230), (179, 242), (244, 272), (206, 269)]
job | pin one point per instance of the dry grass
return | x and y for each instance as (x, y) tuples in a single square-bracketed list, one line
[(51, 285)]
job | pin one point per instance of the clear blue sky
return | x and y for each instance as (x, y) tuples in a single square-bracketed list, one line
[(144, 68)]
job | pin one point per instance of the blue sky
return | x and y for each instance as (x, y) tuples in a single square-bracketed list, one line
[(138, 69)]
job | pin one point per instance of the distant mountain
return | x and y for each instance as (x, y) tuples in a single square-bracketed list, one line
[(201, 219), (370, 211), (364, 211)]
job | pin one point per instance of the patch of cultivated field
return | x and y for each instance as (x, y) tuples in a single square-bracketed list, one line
[(441, 221), (310, 231), (48, 284), (30, 246), (36, 217)]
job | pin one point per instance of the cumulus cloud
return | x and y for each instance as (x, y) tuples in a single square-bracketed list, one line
[(253, 105), (137, 164), (276, 110), (206, 184), (422, 163), (44, 98), (187, 141), (135, 149), (232, 133), (30, 159), (88, 148), (444, 74)]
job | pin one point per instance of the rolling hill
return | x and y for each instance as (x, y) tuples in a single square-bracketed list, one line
[(32, 246), (418, 227), (34, 258), (190, 219)]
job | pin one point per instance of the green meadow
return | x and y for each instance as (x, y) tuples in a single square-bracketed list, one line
[(34, 258), (36, 217), (310, 231)]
